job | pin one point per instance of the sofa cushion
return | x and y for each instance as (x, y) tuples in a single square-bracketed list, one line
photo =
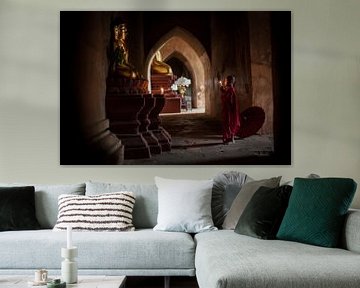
[(316, 211), (184, 205), (243, 198), (105, 212), (133, 252), (17, 208), (146, 205), (226, 187), (46, 200), (350, 239), (263, 214), (225, 259)]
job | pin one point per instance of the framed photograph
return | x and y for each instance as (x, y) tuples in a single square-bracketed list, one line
[(175, 87)]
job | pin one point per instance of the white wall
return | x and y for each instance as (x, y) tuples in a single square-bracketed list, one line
[(325, 108)]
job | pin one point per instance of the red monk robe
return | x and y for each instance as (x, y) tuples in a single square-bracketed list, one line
[(230, 110)]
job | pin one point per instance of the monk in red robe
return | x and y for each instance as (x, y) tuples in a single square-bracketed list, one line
[(230, 110)]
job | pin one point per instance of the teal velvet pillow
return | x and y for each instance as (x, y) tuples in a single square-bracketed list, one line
[(17, 208), (316, 211), (263, 214)]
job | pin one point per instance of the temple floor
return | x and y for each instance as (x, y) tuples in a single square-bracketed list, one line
[(197, 139)]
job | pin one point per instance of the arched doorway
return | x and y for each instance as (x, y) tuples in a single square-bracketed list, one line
[(185, 47)]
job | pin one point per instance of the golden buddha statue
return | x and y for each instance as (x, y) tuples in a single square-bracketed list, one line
[(120, 62), (159, 67)]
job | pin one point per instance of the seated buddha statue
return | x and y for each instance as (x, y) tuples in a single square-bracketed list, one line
[(120, 54), (159, 67)]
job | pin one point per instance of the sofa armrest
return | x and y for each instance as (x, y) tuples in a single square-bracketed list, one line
[(351, 233)]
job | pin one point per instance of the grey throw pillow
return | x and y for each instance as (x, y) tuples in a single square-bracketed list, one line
[(242, 199), (310, 176), (226, 187), (184, 205)]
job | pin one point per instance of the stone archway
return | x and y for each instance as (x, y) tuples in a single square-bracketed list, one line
[(196, 103), (187, 48)]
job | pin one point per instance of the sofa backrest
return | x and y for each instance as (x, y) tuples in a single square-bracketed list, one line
[(351, 236), (146, 203), (46, 200)]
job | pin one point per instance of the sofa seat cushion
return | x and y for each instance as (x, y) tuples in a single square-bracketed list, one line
[(226, 259), (137, 250)]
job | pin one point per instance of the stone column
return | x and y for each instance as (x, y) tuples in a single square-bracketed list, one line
[(261, 66), (231, 56), (159, 132), (85, 136), (149, 104), (123, 112)]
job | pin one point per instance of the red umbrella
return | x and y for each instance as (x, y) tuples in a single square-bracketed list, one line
[(251, 120)]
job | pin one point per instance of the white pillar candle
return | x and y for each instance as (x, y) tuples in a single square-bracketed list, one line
[(69, 237)]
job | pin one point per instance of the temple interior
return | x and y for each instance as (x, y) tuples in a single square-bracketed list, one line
[(143, 87)]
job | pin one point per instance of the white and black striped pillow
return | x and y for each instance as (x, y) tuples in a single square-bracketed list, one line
[(105, 212)]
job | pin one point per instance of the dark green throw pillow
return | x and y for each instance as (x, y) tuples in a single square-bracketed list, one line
[(316, 211), (264, 213), (17, 208)]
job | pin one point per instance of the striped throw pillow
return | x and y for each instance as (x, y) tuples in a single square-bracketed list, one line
[(105, 212)]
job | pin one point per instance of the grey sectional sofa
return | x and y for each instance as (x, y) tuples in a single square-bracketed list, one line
[(226, 259), (218, 259)]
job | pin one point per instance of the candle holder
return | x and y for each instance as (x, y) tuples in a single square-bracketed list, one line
[(69, 271)]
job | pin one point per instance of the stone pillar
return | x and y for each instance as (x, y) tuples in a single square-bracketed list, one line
[(261, 66), (149, 104), (123, 111), (85, 135), (103, 145), (230, 55), (159, 132)]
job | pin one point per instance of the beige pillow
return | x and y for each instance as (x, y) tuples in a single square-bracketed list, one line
[(243, 198)]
